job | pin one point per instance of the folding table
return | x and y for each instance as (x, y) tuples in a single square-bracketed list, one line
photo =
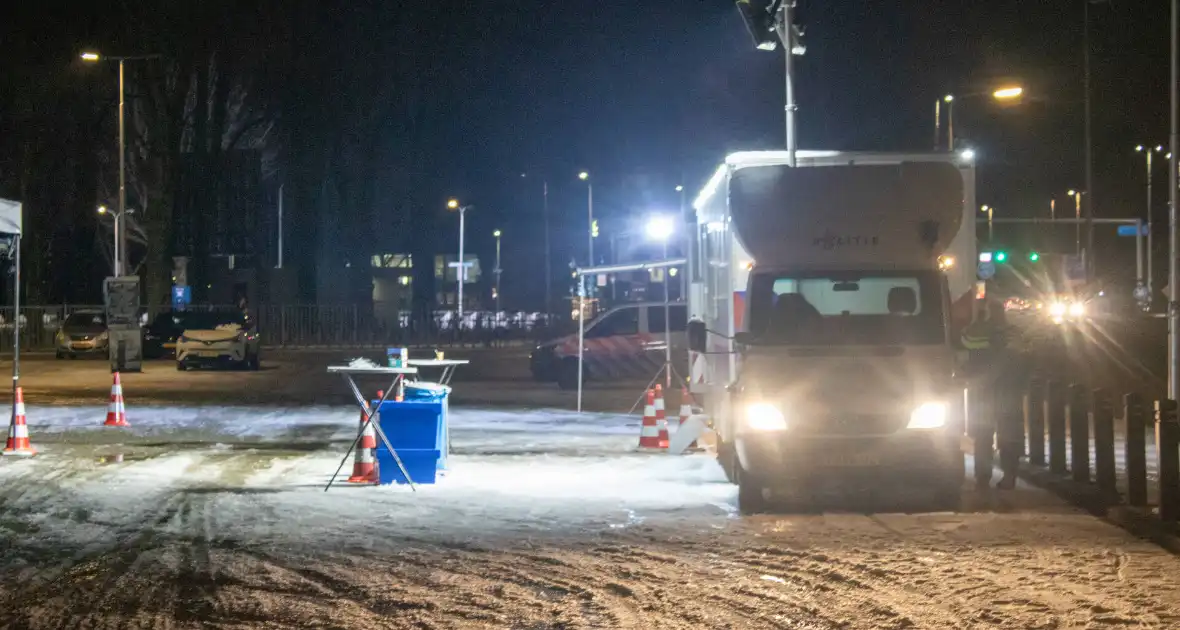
[(348, 372)]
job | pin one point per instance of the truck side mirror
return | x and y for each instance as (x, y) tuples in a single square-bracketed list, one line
[(743, 338), (697, 335)]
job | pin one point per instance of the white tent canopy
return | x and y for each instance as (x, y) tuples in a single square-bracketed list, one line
[(10, 222)]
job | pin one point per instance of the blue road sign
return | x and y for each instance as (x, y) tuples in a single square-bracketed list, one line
[(1129, 230), (182, 296), (986, 270)]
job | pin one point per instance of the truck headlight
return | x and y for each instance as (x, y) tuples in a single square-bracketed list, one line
[(765, 417), (1077, 309), (1057, 309), (931, 415)]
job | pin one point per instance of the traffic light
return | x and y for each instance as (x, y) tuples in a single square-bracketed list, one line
[(1001, 257), (1034, 256), (594, 228)]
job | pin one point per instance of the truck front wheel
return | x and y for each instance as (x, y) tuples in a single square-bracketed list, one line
[(751, 492)]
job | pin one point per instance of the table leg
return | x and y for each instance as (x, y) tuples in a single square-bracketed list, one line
[(368, 417)]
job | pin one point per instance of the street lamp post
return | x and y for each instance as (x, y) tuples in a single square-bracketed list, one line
[(990, 215), (461, 266), (117, 263), (498, 271), (1077, 204), (661, 228), (1173, 216), (120, 227), (949, 99), (689, 234), (585, 176), (1147, 151), (1002, 94)]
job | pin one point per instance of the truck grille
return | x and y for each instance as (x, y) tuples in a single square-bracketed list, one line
[(853, 424)]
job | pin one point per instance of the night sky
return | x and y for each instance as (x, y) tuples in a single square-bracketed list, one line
[(647, 95)]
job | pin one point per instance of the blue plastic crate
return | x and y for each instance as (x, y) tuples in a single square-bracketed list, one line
[(416, 418), (422, 464), (413, 423)]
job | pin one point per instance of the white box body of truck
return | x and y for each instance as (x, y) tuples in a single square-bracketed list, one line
[(833, 293)]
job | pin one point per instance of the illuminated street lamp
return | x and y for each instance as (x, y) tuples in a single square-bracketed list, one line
[(585, 176), (990, 211), (1077, 202), (90, 56), (118, 217), (1007, 93), (1148, 151), (496, 234), (461, 266)]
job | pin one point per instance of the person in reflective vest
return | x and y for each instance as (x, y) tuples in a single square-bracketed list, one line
[(986, 340)]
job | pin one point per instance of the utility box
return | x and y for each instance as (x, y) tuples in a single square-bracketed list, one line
[(121, 298)]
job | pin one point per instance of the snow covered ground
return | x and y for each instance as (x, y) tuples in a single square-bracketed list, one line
[(217, 517)]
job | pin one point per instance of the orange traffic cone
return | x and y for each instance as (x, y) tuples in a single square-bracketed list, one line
[(686, 404), (116, 411), (650, 436), (364, 467), (18, 431), (661, 416)]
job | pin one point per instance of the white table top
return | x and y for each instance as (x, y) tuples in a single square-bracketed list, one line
[(438, 362), (345, 369)]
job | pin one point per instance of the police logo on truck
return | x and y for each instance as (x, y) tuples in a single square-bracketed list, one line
[(830, 241)]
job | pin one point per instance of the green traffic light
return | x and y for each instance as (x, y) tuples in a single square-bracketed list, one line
[(1034, 256), (1001, 257)]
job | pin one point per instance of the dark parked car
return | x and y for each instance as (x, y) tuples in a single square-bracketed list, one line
[(83, 332), (159, 338)]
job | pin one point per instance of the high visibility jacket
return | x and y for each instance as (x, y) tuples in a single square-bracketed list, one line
[(978, 336), (985, 333)]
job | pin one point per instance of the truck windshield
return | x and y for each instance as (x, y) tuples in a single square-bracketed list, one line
[(825, 309)]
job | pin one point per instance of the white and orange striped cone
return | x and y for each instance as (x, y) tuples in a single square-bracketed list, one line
[(18, 430), (686, 404), (364, 466), (661, 416), (116, 410), (649, 431)]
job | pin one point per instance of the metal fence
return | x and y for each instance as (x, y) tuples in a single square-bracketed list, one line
[(326, 326)]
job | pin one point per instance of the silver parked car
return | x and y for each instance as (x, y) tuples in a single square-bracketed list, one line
[(83, 332)]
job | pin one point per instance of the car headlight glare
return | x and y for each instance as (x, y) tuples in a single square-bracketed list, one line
[(1057, 309), (931, 415), (104, 335), (765, 417), (1077, 309)]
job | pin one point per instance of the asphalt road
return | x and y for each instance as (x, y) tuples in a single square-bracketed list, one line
[(495, 377), (209, 513)]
